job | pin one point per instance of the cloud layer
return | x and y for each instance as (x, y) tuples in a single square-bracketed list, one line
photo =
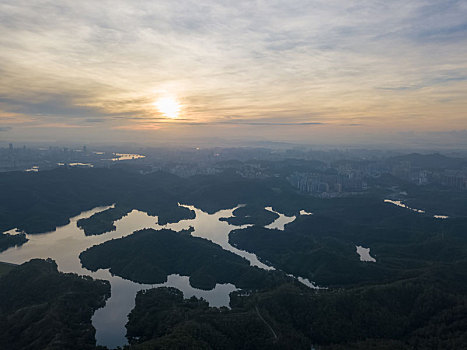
[(236, 67)]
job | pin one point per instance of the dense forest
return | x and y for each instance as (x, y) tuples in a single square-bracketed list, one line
[(149, 256), (426, 312), (102, 222), (40, 202), (8, 240), (321, 247), (5, 267), (251, 215), (418, 313), (412, 297), (41, 308), (163, 319)]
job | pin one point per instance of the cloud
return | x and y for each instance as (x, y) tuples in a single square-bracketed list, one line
[(5, 128), (51, 105), (260, 123), (95, 120), (271, 64)]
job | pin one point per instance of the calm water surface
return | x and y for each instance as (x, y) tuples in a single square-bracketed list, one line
[(209, 226), (126, 156), (402, 205), (364, 254), (66, 243), (282, 220)]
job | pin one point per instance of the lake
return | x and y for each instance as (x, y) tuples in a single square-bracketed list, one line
[(126, 156), (66, 243), (402, 205)]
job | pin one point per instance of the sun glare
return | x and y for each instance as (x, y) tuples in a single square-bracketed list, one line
[(168, 106)]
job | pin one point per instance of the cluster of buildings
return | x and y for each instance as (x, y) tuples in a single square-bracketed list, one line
[(328, 184), (324, 174), (44, 158), (456, 178), (187, 170), (404, 170), (252, 171), (350, 177)]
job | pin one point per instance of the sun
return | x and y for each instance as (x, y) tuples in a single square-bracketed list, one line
[(168, 106)]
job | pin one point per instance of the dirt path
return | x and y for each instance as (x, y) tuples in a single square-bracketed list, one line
[(267, 324)]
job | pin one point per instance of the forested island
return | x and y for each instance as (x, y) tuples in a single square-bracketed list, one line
[(8, 240), (103, 221), (251, 215), (149, 256)]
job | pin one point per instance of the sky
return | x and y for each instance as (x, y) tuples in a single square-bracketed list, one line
[(334, 71)]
